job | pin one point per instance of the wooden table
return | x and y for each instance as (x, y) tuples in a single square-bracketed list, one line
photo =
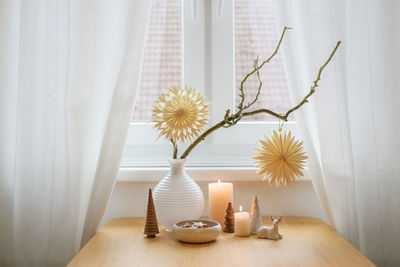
[(306, 242)]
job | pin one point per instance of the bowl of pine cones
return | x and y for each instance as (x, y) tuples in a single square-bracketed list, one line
[(196, 231)]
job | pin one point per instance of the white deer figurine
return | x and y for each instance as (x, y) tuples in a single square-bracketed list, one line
[(270, 232)]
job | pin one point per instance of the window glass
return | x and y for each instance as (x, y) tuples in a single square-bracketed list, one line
[(255, 34), (162, 62)]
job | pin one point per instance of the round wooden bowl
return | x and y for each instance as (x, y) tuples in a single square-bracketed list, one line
[(196, 235)]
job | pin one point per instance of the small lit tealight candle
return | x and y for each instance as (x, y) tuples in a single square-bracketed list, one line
[(242, 223)]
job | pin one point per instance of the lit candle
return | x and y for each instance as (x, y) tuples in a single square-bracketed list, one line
[(219, 195), (242, 223)]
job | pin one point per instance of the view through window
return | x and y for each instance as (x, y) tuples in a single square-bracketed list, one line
[(255, 34), (162, 62)]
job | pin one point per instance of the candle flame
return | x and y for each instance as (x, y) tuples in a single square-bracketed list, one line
[(240, 208), (219, 181)]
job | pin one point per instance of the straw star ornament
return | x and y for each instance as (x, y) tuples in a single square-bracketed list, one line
[(280, 158), (181, 114)]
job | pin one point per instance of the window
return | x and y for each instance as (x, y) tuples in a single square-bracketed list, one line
[(209, 45)]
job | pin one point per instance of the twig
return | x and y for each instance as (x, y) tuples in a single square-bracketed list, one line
[(315, 85), (256, 69), (305, 99), (175, 147), (259, 86), (231, 120)]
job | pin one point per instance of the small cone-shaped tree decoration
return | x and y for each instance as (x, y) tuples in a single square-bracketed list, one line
[(255, 216), (229, 219), (151, 226)]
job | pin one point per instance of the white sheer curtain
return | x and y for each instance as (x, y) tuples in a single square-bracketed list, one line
[(351, 127), (68, 77)]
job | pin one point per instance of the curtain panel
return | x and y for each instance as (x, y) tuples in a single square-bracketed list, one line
[(351, 125), (68, 77)]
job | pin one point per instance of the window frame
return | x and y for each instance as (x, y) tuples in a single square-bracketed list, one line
[(208, 64)]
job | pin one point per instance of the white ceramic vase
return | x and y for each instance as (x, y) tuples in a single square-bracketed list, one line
[(177, 197)]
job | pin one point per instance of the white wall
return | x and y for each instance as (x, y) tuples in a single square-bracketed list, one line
[(129, 199)]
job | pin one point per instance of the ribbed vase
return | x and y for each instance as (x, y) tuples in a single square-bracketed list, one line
[(177, 197)]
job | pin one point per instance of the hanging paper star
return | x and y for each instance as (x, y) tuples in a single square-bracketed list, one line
[(280, 158), (181, 114)]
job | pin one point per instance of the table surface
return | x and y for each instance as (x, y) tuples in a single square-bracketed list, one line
[(306, 242)]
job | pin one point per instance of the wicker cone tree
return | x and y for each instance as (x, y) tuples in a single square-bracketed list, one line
[(229, 219), (151, 226)]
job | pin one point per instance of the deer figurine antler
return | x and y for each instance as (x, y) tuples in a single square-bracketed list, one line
[(270, 232)]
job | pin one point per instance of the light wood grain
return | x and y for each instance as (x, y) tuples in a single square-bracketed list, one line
[(306, 242)]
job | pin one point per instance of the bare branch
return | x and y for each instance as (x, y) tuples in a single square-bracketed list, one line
[(305, 99), (315, 84), (241, 90), (230, 120), (259, 86)]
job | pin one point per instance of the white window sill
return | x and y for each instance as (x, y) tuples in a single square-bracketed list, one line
[(209, 174)]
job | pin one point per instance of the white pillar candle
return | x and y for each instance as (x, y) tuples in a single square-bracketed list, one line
[(219, 195), (242, 223)]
